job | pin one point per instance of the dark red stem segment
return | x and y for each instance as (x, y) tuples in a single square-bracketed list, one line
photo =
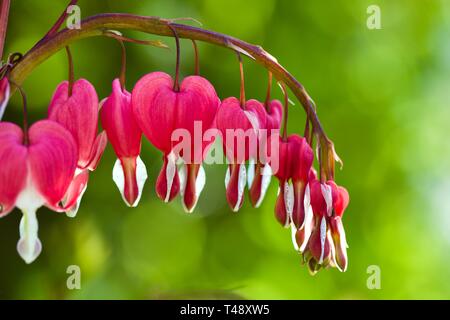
[(71, 73), (58, 22), (241, 71), (269, 90), (286, 111), (123, 66), (176, 83), (4, 13), (307, 134), (197, 63)]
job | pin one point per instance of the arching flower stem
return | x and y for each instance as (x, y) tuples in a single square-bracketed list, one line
[(96, 25)]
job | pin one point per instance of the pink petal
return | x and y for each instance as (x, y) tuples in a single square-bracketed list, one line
[(78, 114), (13, 165), (240, 145), (119, 123), (274, 115), (154, 106), (97, 150), (52, 160), (72, 199)]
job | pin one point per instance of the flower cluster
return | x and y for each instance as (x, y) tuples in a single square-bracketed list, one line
[(49, 163)]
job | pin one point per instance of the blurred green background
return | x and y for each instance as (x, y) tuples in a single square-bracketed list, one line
[(382, 96)]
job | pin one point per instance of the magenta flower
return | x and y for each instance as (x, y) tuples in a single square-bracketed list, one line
[(160, 109), (295, 161), (36, 170), (78, 113), (327, 244), (260, 173), (123, 132), (4, 95), (239, 127)]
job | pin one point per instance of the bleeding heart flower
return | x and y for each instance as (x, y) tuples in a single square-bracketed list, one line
[(295, 161), (239, 127), (78, 113), (36, 170), (123, 132), (259, 171), (159, 111), (327, 245), (4, 95)]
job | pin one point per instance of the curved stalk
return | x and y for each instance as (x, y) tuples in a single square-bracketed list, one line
[(96, 25)]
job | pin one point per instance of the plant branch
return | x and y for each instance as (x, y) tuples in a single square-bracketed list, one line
[(95, 26), (4, 13)]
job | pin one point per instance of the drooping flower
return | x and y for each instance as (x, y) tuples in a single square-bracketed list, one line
[(36, 169), (259, 170), (160, 110), (295, 161), (78, 113), (327, 245), (123, 132), (4, 95), (239, 127)]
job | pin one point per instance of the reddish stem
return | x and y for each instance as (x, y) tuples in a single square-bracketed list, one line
[(176, 84), (71, 73), (197, 64), (269, 90), (58, 22), (242, 90), (4, 13)]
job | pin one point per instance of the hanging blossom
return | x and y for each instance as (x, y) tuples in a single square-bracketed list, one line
[(129, 172), (76, 108), (160, 108), (325, 245), (259, 170), (36, 169)]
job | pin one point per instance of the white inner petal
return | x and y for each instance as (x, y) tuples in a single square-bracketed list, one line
[(323, 236), (28, 201), (289, 198), (200, 182), (182, 176), (170, 173), (227, 177), (141, 177), (293, 235), (119, 178), (266, 177), (327, 195), (307, 223), (5, 102), (332, 250), (253, 120), (72, 212), (250, 172), (199, 185), (242, 179)]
